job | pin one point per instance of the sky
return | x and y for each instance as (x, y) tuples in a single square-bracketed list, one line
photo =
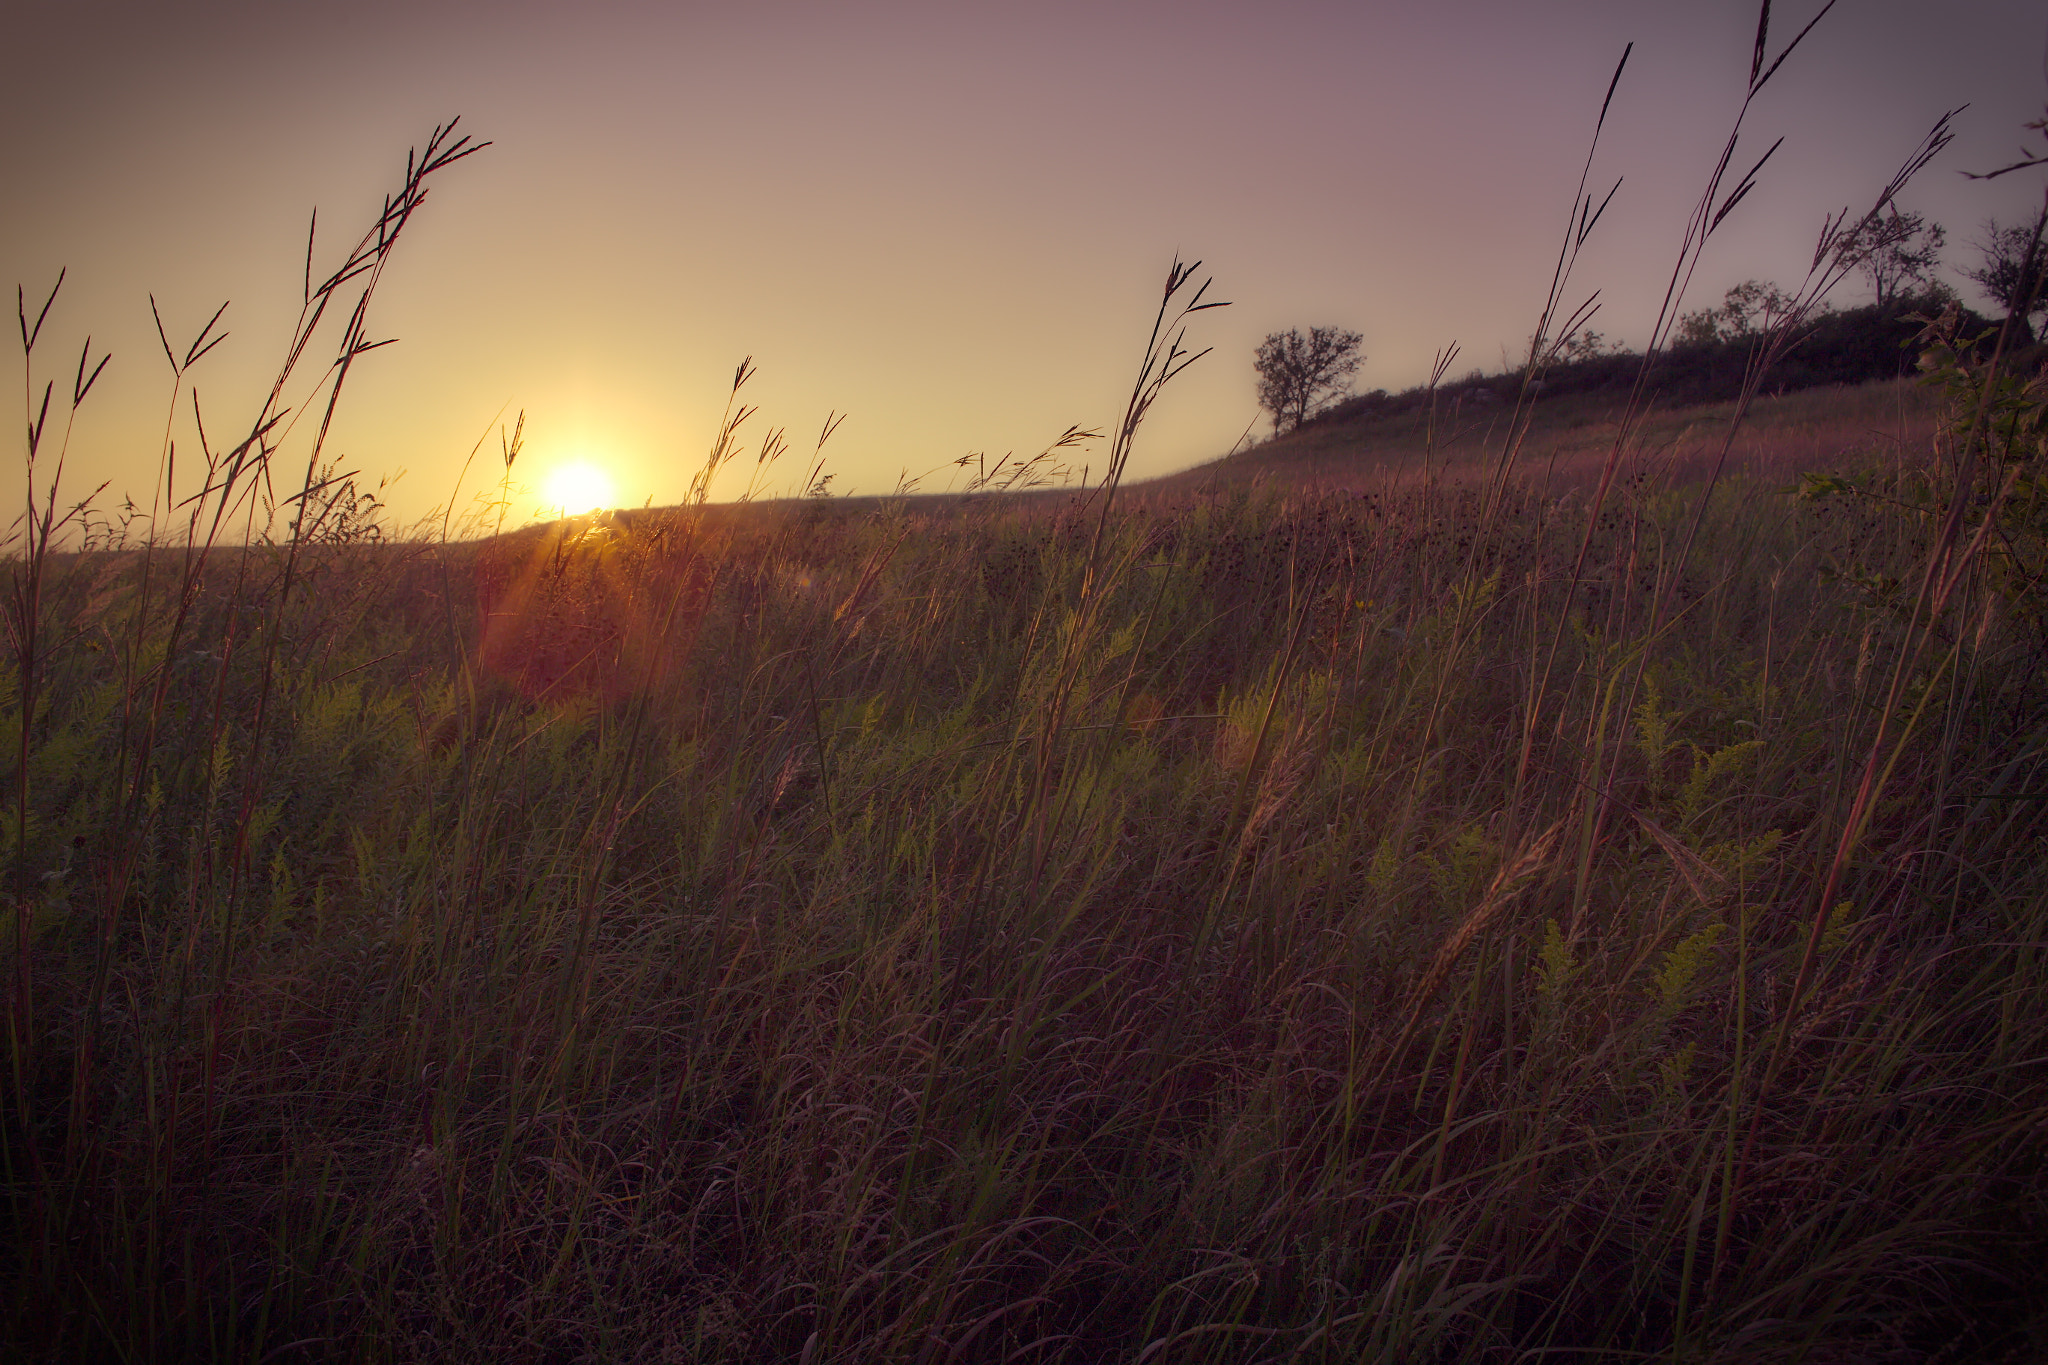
[(949, 222)]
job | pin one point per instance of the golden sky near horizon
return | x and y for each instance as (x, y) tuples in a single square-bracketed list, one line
[(948, 221)]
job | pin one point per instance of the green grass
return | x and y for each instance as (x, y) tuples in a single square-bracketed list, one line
[(1443, 922), (753, 971)]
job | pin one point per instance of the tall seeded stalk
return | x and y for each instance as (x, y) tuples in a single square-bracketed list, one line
[(232, 480), (1708, 214), (160, 508), (1166, 356), (1551, 335), (39, 529), (1947, 565), (1831, 263), (1477, 596), (366, 262)]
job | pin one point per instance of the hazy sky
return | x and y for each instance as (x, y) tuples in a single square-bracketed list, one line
[(949, 221)]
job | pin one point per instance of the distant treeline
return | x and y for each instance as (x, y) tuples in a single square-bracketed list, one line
[(1853, 346)]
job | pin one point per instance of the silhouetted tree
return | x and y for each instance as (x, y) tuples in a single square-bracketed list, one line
[(1898, 253), (2012, 272), (1301, 375), (1746, 310), (1586, 345)]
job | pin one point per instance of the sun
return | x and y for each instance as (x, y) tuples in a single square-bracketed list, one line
[(576, 488)]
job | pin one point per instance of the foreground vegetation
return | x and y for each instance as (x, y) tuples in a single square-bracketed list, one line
[(1238, 928)]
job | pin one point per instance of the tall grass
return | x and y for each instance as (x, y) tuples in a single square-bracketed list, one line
[(1439, 924)]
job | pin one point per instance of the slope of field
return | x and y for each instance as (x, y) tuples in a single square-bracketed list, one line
[(1567, 440)]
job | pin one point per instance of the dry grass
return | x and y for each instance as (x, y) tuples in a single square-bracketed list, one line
[(752, 975)]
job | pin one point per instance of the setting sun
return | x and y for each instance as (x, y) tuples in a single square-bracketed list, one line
[(576, 488)]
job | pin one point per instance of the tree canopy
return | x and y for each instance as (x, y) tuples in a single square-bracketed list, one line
[(1897, 253), (1301, 374), (2011, 268)]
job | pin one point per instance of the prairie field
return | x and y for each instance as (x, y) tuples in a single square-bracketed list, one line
[(1261, 923)]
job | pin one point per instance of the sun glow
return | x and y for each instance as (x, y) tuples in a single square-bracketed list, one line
[(577, 488)]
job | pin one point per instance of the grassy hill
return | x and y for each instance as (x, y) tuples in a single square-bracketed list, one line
[(1845, 392), (1566, 439)]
